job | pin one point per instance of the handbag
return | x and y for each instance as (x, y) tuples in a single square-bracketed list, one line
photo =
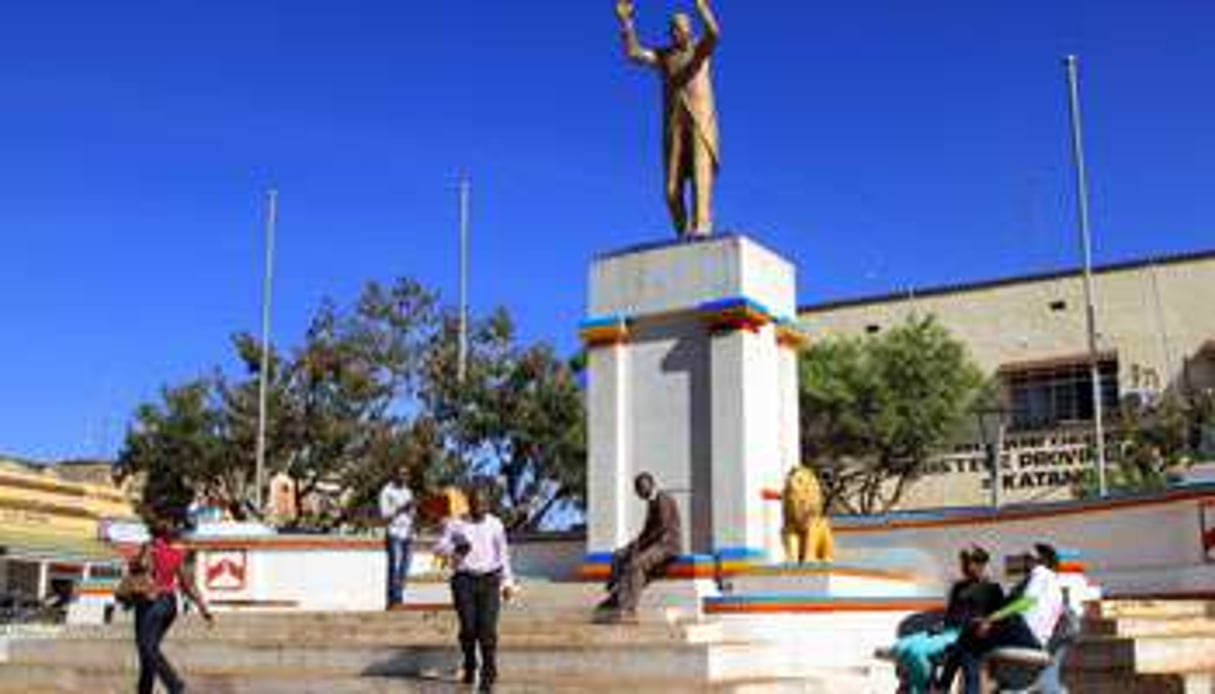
[(136, 585)]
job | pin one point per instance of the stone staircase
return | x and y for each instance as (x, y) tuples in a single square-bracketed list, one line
[(1145, 646), (548, 643)]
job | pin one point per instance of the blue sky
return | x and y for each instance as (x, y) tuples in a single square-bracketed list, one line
[(880, 143)]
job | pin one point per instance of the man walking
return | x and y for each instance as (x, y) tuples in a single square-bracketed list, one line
[(397, 511), (635, 564), (477, 550)]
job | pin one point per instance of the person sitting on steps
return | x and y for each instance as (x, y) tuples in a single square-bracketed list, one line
[(1027, 620), (973, 597), (640, 561)]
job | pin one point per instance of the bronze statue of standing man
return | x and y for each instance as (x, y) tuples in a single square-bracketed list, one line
[(691, 145)]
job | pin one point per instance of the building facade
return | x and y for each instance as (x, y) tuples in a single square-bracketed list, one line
[(1156, 333), (50, 526)]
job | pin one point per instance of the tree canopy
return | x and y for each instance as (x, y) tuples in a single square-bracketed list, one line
[(874, 410), (372, 387)]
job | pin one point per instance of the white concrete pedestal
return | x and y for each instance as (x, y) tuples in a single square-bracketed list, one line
[(693, 378)]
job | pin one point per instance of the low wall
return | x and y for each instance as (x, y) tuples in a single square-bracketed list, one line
[(326, 572), (1148, 544)]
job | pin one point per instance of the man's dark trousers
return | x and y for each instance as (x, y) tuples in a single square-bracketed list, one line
[(399, 550), (478, 598), (632, 570)]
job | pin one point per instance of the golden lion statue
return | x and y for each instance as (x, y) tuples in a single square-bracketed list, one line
[(806, 533)]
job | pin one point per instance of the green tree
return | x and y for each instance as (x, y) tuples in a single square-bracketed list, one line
[(370, 388), (177, 447), (875, 410), (1154, 443), (517, 416)]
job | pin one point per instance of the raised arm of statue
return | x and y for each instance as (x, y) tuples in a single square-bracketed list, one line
[(712, 29), (633, 49)]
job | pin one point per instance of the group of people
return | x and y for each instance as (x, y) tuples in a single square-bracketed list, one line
[(980, 618)]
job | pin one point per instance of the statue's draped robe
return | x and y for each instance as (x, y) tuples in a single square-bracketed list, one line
[(689, 108)]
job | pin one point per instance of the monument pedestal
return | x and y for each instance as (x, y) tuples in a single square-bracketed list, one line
[(693, 378)]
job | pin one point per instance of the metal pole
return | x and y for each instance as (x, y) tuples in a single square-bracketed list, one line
[(1086, 243), (264, 371), (996, 463), (462, 353)]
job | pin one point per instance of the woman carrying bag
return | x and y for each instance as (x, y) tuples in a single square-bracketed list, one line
[(152, 584)]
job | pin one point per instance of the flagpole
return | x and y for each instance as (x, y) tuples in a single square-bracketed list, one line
[(264, 370), (1071, 64), (462, 349)]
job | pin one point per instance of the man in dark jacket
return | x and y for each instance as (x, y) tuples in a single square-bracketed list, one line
[(635, 564)]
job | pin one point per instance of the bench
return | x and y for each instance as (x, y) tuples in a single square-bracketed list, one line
[(1018, 669)]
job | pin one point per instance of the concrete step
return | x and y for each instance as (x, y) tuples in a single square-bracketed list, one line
[(1154, 609), (438, 630), (652, 662), (30, 679), (1131, 627), (1129, 683), (1143, 655)]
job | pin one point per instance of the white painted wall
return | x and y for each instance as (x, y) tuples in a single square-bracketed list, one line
[(1141, 548), (708, 415)]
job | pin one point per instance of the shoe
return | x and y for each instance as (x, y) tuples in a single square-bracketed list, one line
[(469, 676)]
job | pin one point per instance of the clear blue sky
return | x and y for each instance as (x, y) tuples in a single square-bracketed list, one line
[(880, 143)]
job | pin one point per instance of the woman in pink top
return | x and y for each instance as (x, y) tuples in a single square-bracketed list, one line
[(166, 565)]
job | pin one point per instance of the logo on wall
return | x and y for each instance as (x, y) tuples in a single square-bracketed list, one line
[(1208, 530), (225, 571)]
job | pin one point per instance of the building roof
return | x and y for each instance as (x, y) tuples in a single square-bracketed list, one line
[(963, 287)]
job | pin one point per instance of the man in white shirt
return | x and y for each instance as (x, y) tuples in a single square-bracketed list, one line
[(477, 550), (397, 511)]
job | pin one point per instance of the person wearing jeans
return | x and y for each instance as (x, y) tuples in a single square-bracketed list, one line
[(973, 597), (156, 611), (152, 621), (397, 510)]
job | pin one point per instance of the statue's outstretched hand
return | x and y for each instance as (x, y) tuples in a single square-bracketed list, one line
[(624, 11)]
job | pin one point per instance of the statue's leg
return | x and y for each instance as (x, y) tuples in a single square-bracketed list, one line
[(789, 540), (825, 541), (676, 174), (704, 174)]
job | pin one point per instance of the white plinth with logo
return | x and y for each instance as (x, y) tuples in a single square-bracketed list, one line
[(692, 377)]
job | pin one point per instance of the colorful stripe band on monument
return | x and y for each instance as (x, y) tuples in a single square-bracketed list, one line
[(740, 313), (603, 332), (788, 334)]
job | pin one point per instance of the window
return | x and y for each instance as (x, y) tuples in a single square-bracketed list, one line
[(1058, 305), (1049, 395)]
